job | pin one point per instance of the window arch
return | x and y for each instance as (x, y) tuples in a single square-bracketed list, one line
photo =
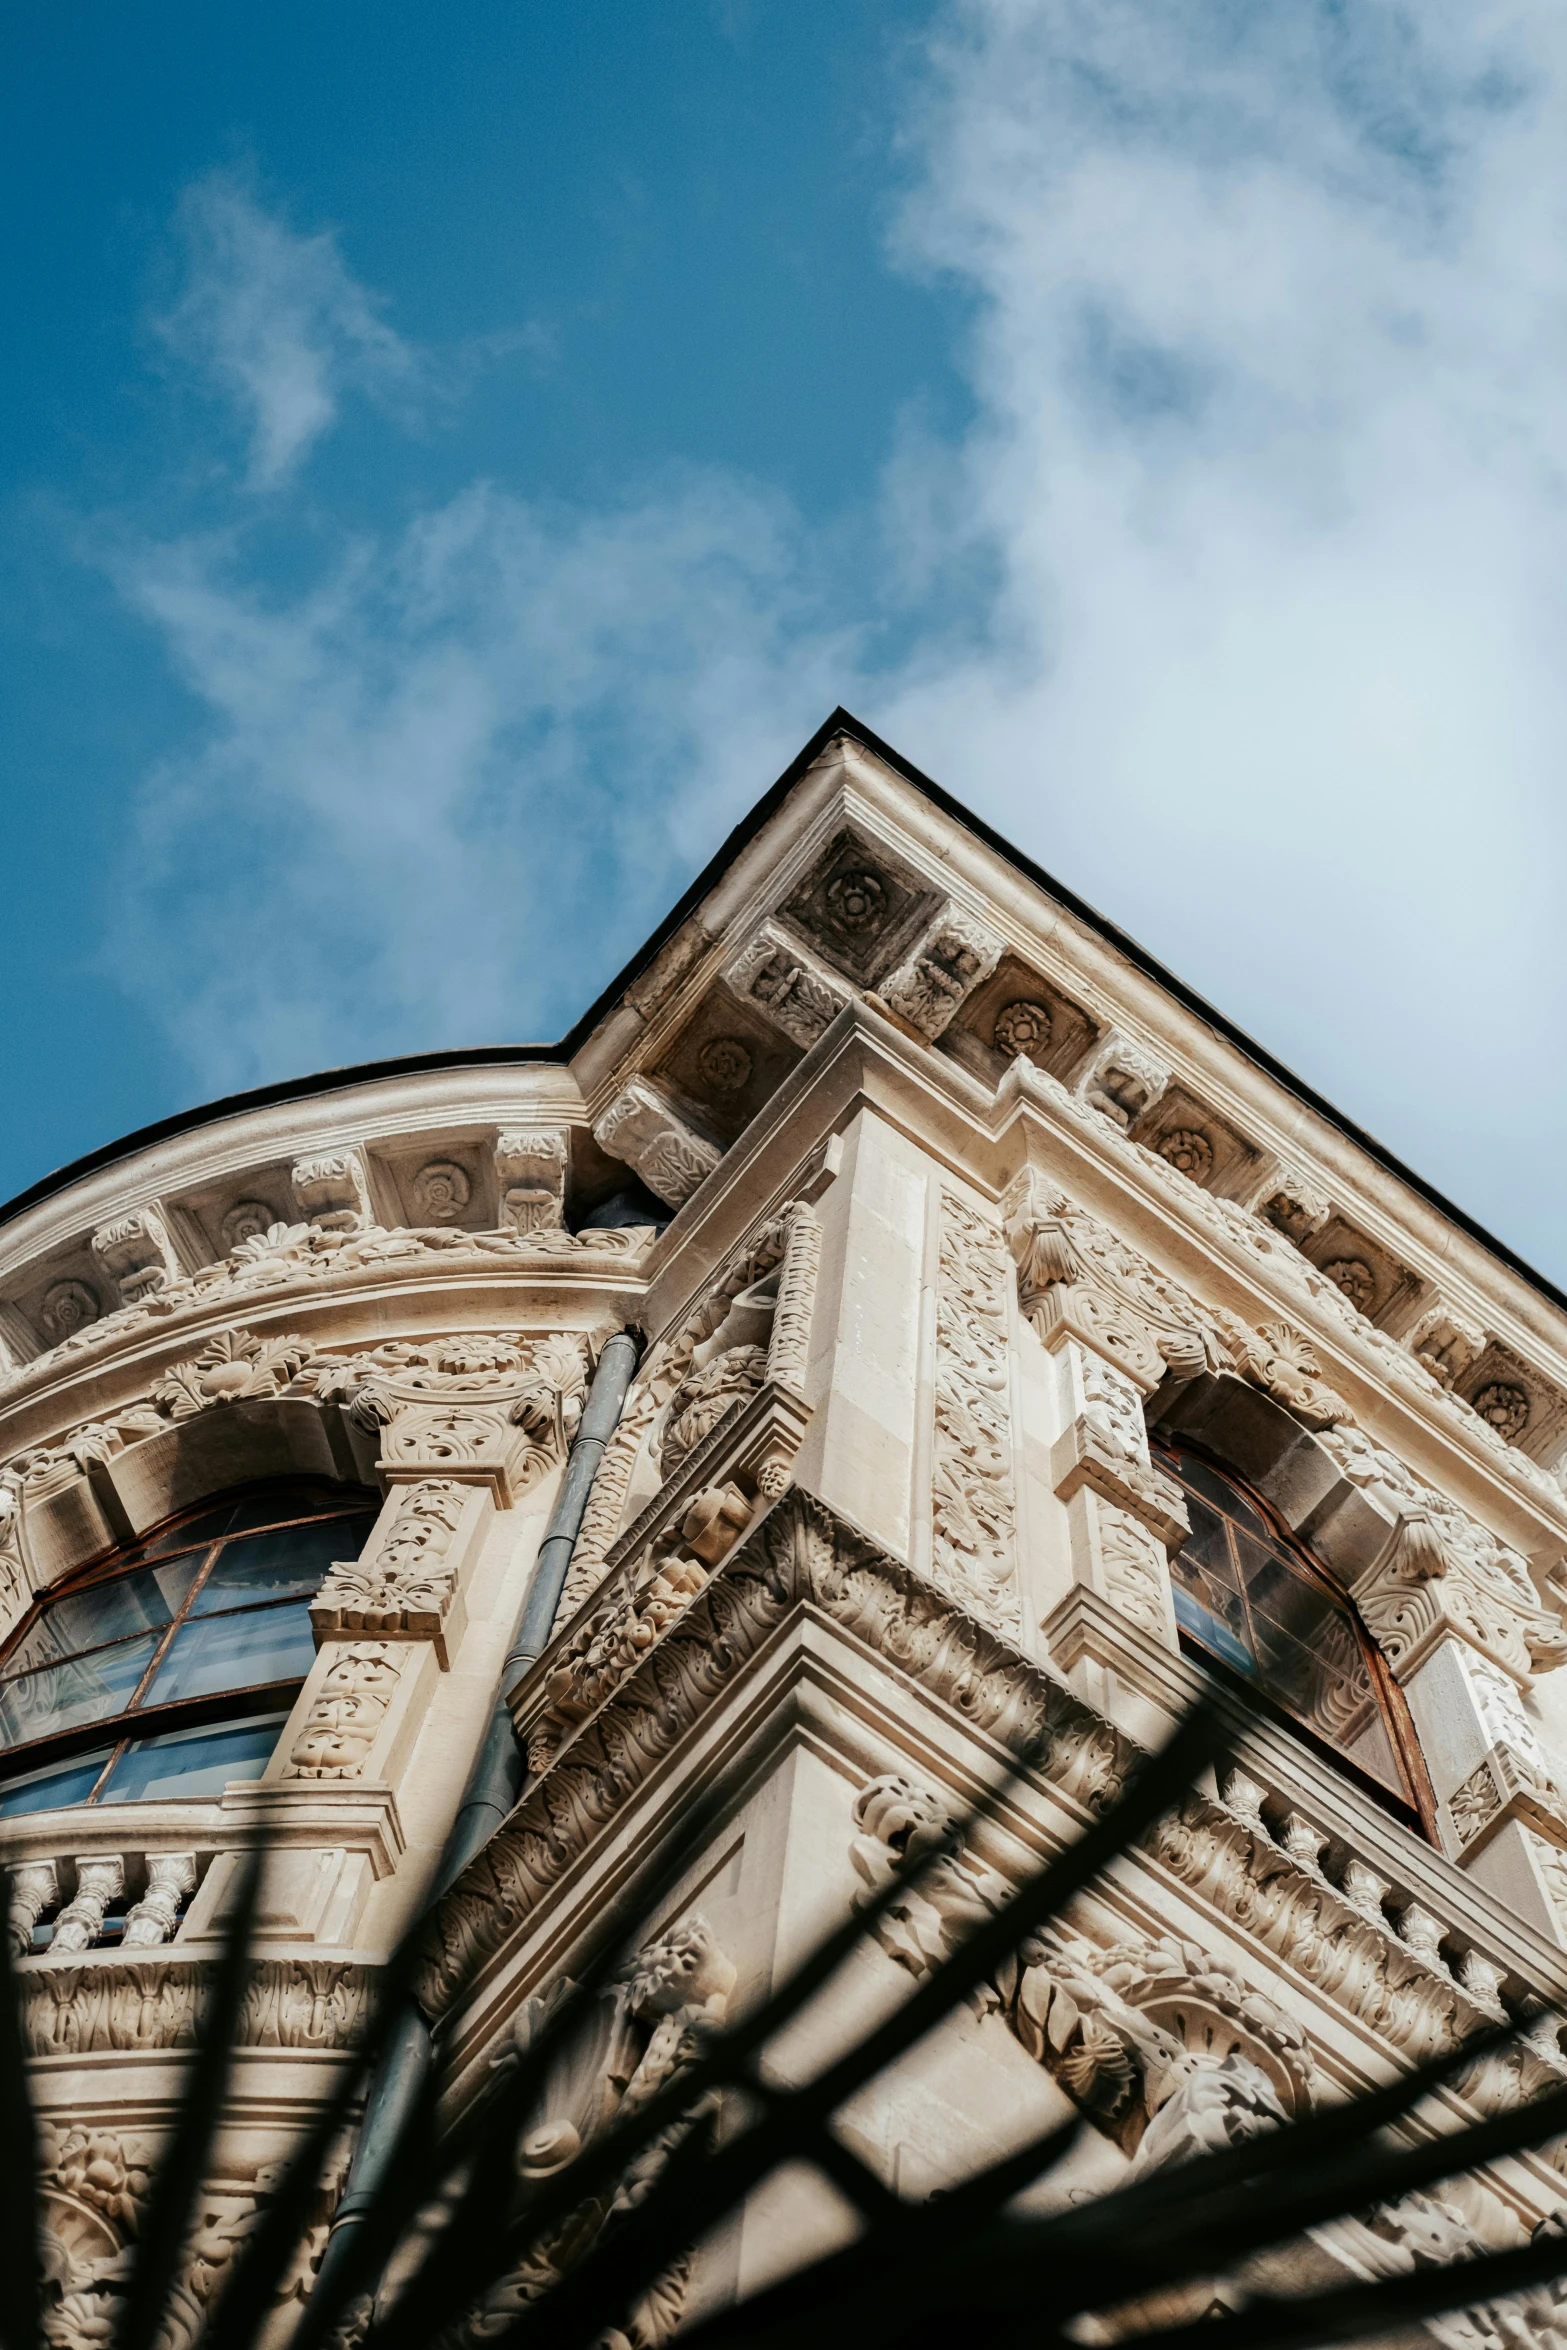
[(1251, 1598), (169, 1667)]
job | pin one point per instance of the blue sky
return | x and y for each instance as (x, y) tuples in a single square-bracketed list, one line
[(451, 458)]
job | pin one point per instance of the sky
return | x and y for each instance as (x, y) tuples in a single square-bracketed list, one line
[(451, 459)]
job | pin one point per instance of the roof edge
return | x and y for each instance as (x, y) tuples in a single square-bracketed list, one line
[(841, 722)]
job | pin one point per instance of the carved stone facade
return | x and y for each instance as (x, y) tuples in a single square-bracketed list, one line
[(971, 1252)]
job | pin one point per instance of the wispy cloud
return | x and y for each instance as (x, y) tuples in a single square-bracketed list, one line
[(278, 322), (1242, 599)]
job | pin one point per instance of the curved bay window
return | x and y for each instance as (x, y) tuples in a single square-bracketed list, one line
[(169, 1668), (1251, 1598)]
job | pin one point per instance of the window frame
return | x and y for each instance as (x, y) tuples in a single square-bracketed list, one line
[(1420, 1814), (136, 1721)]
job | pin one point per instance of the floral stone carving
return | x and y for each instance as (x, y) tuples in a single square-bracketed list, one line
[(346, 1713), (973, 1513), (402, 1586)]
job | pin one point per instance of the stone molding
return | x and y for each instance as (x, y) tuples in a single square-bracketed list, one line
[(799, 1554), (102, 2002), (301, 1260)]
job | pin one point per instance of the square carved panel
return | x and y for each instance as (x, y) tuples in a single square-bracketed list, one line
[(1015, 1011), (726, 1061), (860, 908), (1194, 1139), (1369, 1277)]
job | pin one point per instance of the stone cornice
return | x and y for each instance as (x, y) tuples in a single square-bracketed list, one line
[(1395, 1936)]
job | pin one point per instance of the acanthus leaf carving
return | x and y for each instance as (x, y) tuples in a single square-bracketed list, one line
[(402, 1585), (347, 1711), (973, 1512)]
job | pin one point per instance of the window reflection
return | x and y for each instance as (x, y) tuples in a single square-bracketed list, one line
[(1259, 1604), (213, 1606)]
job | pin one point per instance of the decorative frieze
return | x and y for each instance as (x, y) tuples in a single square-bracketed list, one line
[(973, 1511), (943, 969), (107, 2004), (234, 1366), (403, 1584), (333, 1190), (643, 1127), (136, 1255), (346, 1714), (530, 1175)]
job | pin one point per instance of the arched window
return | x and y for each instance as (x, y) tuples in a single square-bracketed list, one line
[(1251, 1598), (170, 1667)]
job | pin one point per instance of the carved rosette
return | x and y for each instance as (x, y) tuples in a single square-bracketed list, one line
[(973, 1511)]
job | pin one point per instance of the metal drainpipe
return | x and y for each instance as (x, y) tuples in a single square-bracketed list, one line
[(494, 1783)]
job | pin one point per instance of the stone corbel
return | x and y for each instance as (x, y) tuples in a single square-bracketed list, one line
[(1291, 1204), (136, 1254), (333, 1190), (787, 985), (941, 971), (1123, 1079), (1446, 1341), (530, 1173), (1423, 1590), (643, 1127)]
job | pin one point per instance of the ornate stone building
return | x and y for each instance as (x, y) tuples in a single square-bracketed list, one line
[(1021, 1347)]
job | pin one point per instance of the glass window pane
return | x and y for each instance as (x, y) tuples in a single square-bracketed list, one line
[(53, 1789), (193, 1762), (1211, 1630), (106, 1611), (268, 1566), (235, 1652), (84, 1689), (198, 1533), (1197, 1477)]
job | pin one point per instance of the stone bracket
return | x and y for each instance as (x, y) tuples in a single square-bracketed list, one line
[(1081, 1457)]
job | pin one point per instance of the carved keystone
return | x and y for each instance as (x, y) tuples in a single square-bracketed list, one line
[(530, 1174), (644, 1128), (332, 1190), (134, 1251), (789, 986), (943, 969)]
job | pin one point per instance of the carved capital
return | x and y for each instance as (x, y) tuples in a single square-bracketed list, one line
[(135, 1252), (941, 971), (530, 1175), (333, 1190), (645, 1129), (403, 1585), (1089, 1314), (1426, 1588), (787, 984)]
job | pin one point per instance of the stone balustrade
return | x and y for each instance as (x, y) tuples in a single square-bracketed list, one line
[(91, 1900)]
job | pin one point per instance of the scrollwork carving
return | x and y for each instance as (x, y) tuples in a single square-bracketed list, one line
[(346, 1713), (973, 1513)]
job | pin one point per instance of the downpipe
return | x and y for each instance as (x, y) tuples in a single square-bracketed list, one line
[(400, 2085)]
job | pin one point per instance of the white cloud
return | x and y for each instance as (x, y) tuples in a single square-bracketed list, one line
[(1268, 468), (279, 322)]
